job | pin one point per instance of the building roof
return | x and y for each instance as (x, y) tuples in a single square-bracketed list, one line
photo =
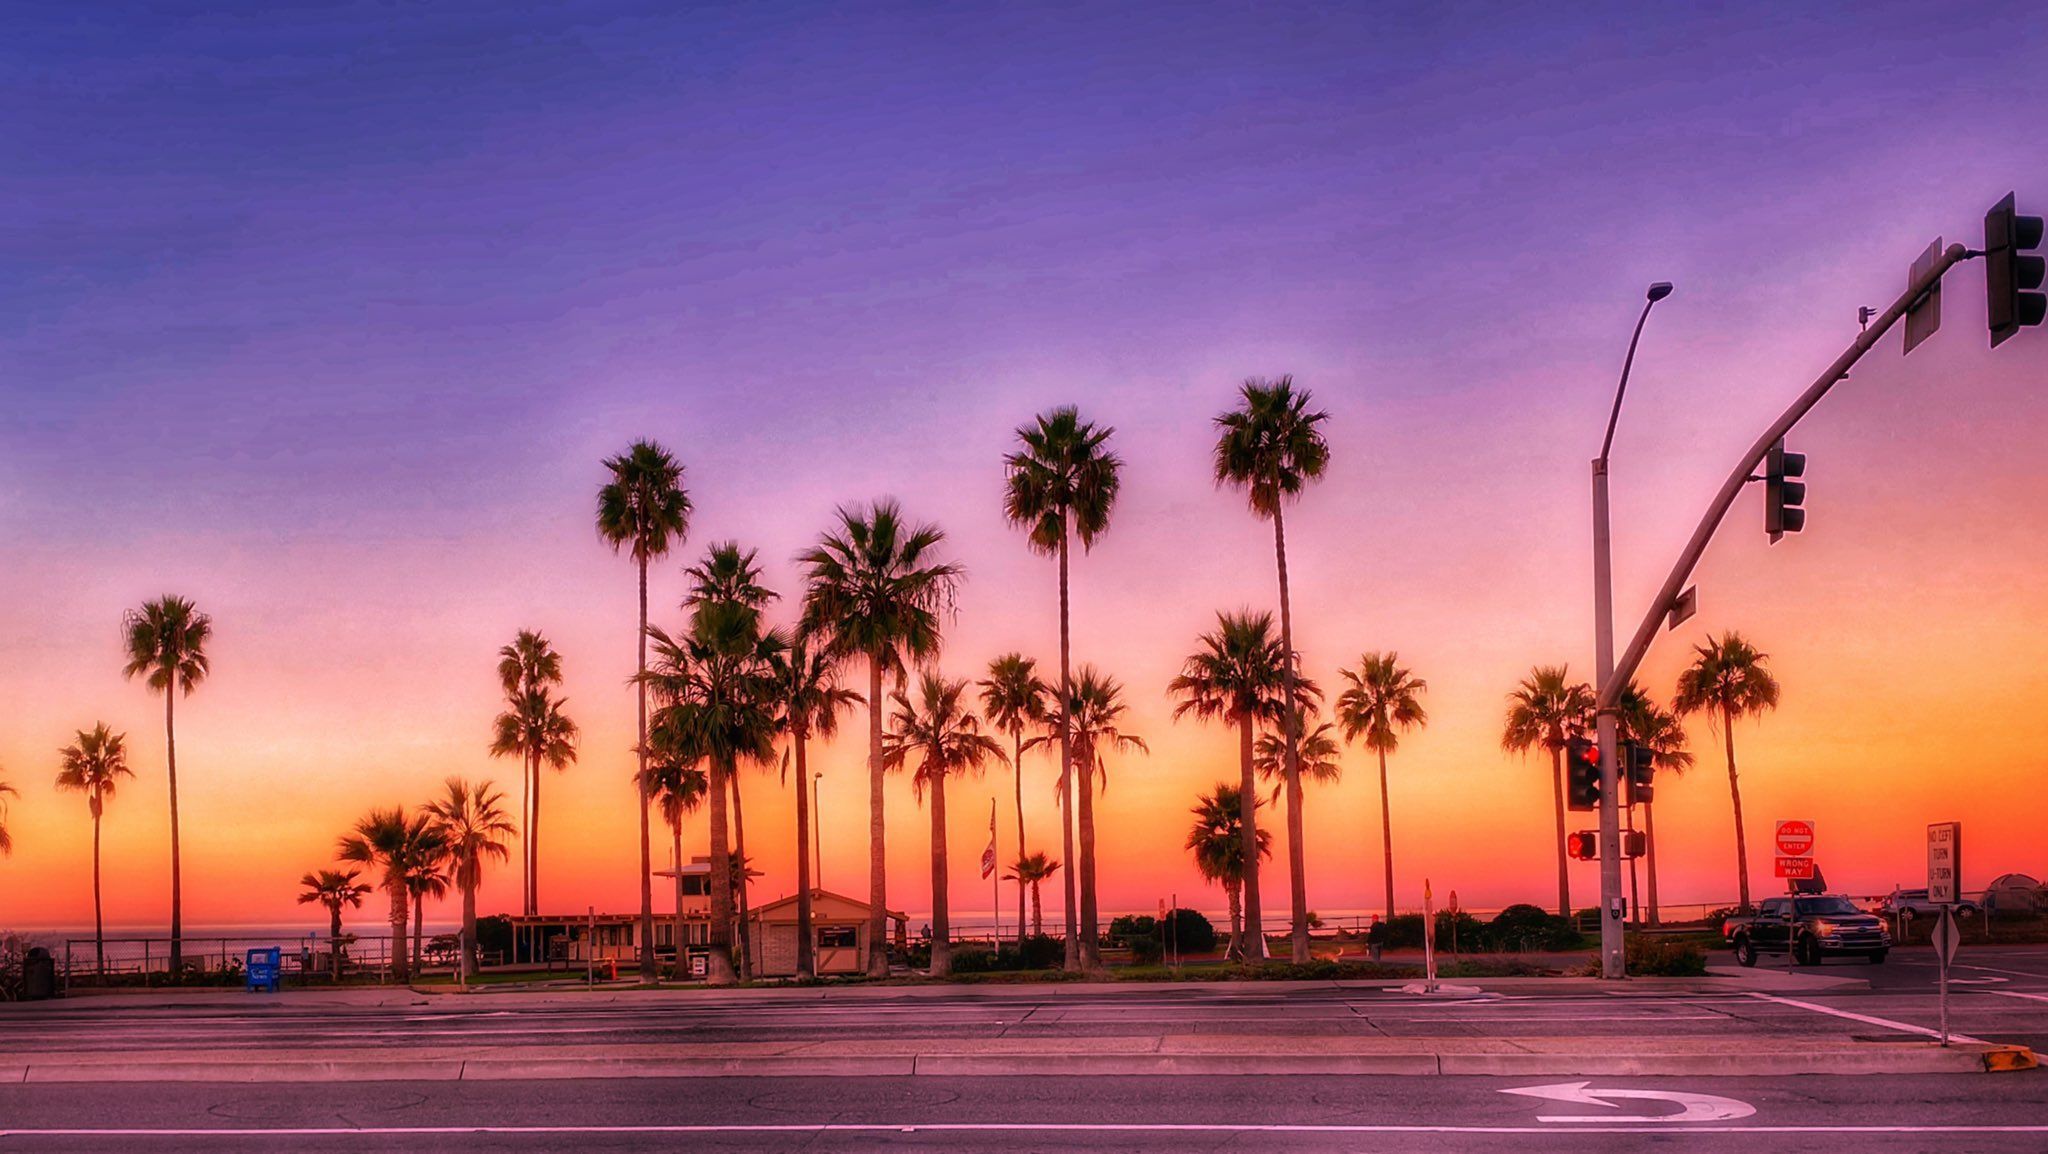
[(818, 894)]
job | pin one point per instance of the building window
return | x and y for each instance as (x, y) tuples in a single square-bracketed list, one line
[(836, 937)]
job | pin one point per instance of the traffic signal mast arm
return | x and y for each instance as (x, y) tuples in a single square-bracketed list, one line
[(1639, 645)]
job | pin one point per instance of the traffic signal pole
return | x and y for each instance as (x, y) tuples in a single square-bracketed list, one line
[(1745, 468)]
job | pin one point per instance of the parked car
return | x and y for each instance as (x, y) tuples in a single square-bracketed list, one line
[(1809, 928), (1914, 903)]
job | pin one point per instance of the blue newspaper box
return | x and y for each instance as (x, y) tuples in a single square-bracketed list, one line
[(262, 969)]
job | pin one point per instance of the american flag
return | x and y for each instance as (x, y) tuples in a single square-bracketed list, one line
[(988, 856)]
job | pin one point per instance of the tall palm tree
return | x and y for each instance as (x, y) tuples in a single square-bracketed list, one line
[(1237, 677), (402, 846), (1271, 446), (333, 889), (1728, 681), (874, 589), (679, 789), (1030, 870), (1094, 710), (1013, 700), (6, 839), (939, 730), (718, 706), (473, 821), (1379, 702), (1063, 484), (91, 766), (811, 699), (1218, 842), (1548, 709), (729, 575), (644, 510), (166, 647), (428, 878), (1659, 731), (535, 727)]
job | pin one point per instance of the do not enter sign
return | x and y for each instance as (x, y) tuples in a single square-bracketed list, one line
[(1795, 838)]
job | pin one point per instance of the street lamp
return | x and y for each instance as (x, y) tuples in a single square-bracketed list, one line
[(1612, 963)]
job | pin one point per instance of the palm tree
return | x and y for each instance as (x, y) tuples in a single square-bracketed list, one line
[(679, 789), (1063, 483), (1547, 709), (402, 846), (6, 839), (1271, 448), (533, 726), (1013, 700), (473, 822), (1659, 731), (333, 889), (811, 700), (92, 765), (428, 878), (1094, 709), (166, 647), (1379, 702), (1218, 843), (1237, 676), (1032, 869), (873, 589), (938, 729), (1728, 681), (716, 686), (643, 509)]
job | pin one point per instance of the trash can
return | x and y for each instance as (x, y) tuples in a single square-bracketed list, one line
[(38, 974), (262, 967)]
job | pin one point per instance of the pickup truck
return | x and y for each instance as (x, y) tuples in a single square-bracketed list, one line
[(1809, 928)]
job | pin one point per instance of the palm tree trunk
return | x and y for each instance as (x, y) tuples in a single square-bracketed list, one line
[(469, 950), (400, 971), (1073, 961), (533, 846), (878, 861), (1235, 890), (99, 925), (1387, 833), (648, 973), (682, 951), (526, 831), (1017, 772), (1735, 795), (177, 884), (1254, 937), (1290, 727), (419, 928), (720, 971), (1564, 878), (806, 963), (942, 949), (1650, 846), (1084, 780), (739, 838), (1037, 913), (334, 938)]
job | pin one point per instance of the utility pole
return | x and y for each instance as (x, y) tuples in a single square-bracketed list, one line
[(1612, 904)]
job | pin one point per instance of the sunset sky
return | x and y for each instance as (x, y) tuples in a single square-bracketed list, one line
[(325, 316)]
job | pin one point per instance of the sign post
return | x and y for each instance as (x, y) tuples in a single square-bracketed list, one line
[(1428, 940), (1944, 888)]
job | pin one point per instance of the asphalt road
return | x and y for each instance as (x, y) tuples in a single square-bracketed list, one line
[(1017, 1114), (1999, 994)]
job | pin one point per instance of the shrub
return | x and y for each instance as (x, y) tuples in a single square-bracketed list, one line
[(1126, 930), (1190, 932), (13, 949), (1663, 958), (973, 958), (1527, 927)]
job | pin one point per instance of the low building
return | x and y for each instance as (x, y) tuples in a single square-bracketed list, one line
[(573, 938), (839, 932)]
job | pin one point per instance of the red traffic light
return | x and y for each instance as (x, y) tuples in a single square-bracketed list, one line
[(1583, 845)]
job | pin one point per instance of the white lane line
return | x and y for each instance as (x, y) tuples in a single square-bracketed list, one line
[(2015, 994), (1561, 1019), (1866, 1019), (1008, 1127)]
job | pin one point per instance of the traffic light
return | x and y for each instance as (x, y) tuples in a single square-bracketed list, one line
[(2010, 274), (1634, 843), (1583, 845), (1639, 771), (1783, 497), (1581, 774)]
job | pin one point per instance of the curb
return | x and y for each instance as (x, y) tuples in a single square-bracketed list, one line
[(1856, 1058)]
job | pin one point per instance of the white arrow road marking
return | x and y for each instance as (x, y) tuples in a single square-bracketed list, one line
[(1698, 1107), (1977, 981)]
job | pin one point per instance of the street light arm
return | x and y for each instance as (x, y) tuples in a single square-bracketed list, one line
[(1639, 645), (1627, 363)]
